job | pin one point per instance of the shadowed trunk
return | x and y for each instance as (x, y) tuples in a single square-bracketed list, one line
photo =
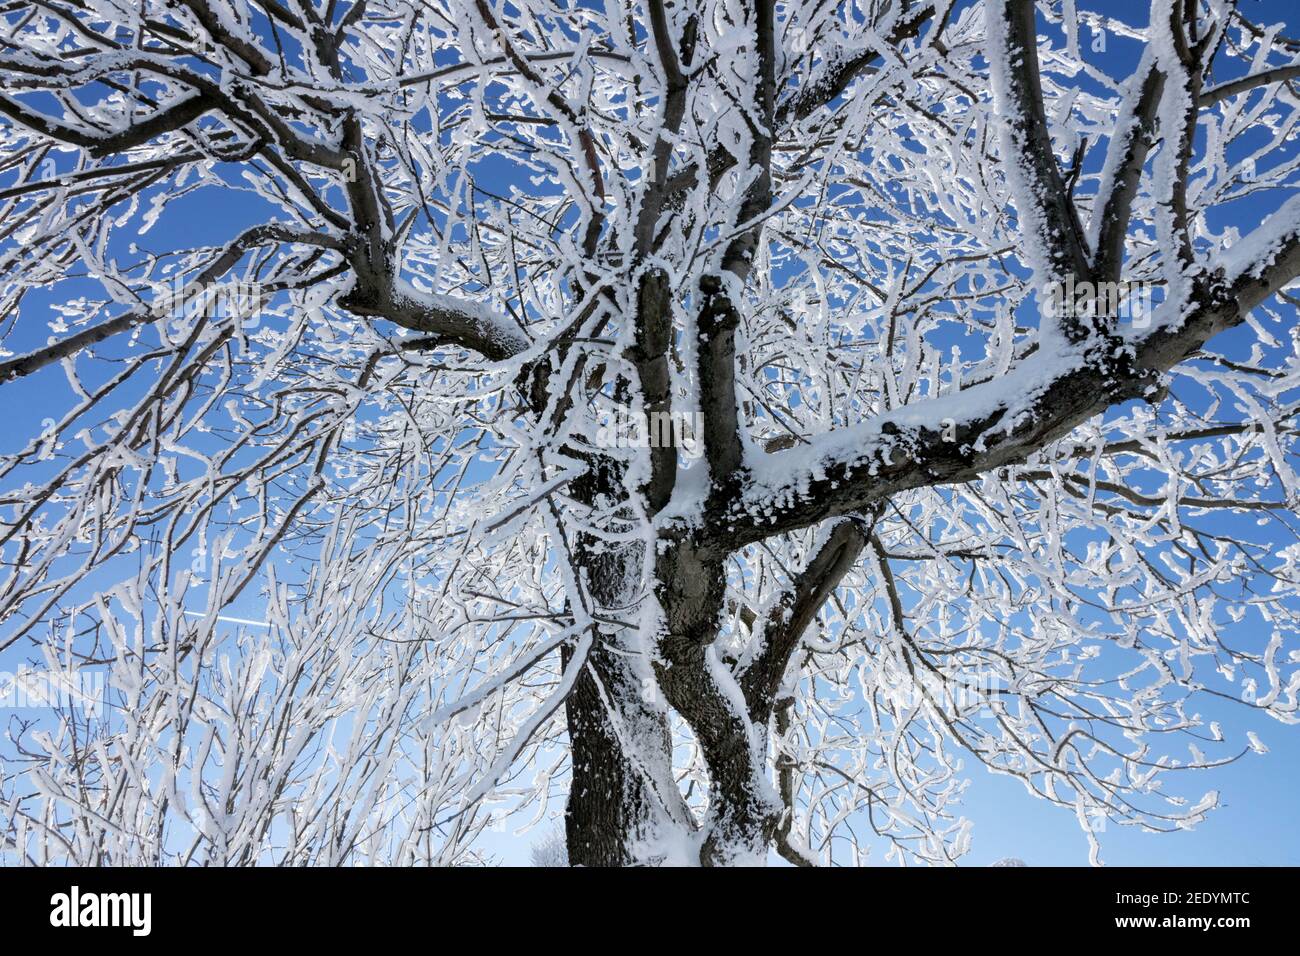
[(614, 816), (624, 808)]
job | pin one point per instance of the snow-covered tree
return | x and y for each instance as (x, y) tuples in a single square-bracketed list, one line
[(737, 419), (551, 851)]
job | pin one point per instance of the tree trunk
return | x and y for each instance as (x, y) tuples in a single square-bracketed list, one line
[(624, 807), (744, 809)]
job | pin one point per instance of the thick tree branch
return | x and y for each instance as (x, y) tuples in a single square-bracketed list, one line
[(1131, 141), (1049, 220), (718, 322), (649, 353), (957, 437), (138, 132), (789, 617), (454, 321), (1217, 94)]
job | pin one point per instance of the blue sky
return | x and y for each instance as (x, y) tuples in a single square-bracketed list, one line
[(1253, 826)]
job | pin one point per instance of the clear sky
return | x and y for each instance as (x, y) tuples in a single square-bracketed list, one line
[(1254, 825)]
